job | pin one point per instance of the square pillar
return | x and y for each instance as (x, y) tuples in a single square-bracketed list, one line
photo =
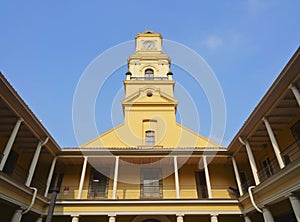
[(114, 194), (295, 202), (247, 219), (179, 218), (176, 177), (251, 160), (267, 215), (50, 176), (10, 143), (82, 177), (274, 143), (237, 176), (207, 177), (295, 92), (112, 218), (17, 216), (75, 219), (214, 218), (40, 219)]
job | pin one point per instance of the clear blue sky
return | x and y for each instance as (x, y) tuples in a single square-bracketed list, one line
[(46, 45)]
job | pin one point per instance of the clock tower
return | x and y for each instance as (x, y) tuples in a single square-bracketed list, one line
[(148, 61), (149, 106)]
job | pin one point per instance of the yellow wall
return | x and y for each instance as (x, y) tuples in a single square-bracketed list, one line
[(71, 179), (128, 187), (221, 177), (144, 208), (187, 182), (175, 135), (159, 106), (133, 86)]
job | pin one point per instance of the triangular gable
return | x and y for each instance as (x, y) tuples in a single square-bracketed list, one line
[(158, 97)]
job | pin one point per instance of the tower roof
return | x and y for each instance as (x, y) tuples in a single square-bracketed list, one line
[(148, 33)]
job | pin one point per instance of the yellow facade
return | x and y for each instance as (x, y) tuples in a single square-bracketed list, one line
[(150, 168), (149, 103)]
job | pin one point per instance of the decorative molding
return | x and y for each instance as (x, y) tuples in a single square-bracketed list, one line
[(151, 202), (120, 213), (21, 187), (268, 184)]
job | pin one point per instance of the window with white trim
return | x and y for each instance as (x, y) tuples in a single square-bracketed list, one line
[(151, 183), (149, 138)]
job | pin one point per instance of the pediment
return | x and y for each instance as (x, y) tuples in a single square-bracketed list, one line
[(149, 95)]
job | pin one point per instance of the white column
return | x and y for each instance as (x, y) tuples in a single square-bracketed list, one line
[(274, 143), (267, 215), (207, 177), (170, 75), (247, 219), (50, 176), (295, 202), (214, 218), (33, 163), (17, 216), (75, 219), (112, 219), (82, 177), (114, 194), (237, 175), (40, 219), (179, 218), (176, 177), (9, 144), (251, 160), (296, 93)]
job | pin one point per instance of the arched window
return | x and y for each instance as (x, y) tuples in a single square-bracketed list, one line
[(149, 74)]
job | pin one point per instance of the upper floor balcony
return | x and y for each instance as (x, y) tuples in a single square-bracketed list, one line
[(147, 192), (145, 178), (150, 78), (270, 168)]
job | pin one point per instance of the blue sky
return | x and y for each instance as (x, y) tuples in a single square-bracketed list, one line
[(46, 46)]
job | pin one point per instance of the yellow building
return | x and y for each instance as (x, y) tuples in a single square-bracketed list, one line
[(150, 168)]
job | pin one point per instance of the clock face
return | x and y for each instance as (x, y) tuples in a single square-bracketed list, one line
[(149, 45)]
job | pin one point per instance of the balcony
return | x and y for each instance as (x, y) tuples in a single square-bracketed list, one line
[(137, 192), (289, 155), (250, 182), (20, 174), (149, 78)]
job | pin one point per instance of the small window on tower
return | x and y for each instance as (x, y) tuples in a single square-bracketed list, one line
[(149, 74), (150, 138)]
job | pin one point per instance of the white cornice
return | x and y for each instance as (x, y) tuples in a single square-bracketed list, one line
[(271, 182), (20, 187), (157, 212), (150, 202), (18, 203)]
